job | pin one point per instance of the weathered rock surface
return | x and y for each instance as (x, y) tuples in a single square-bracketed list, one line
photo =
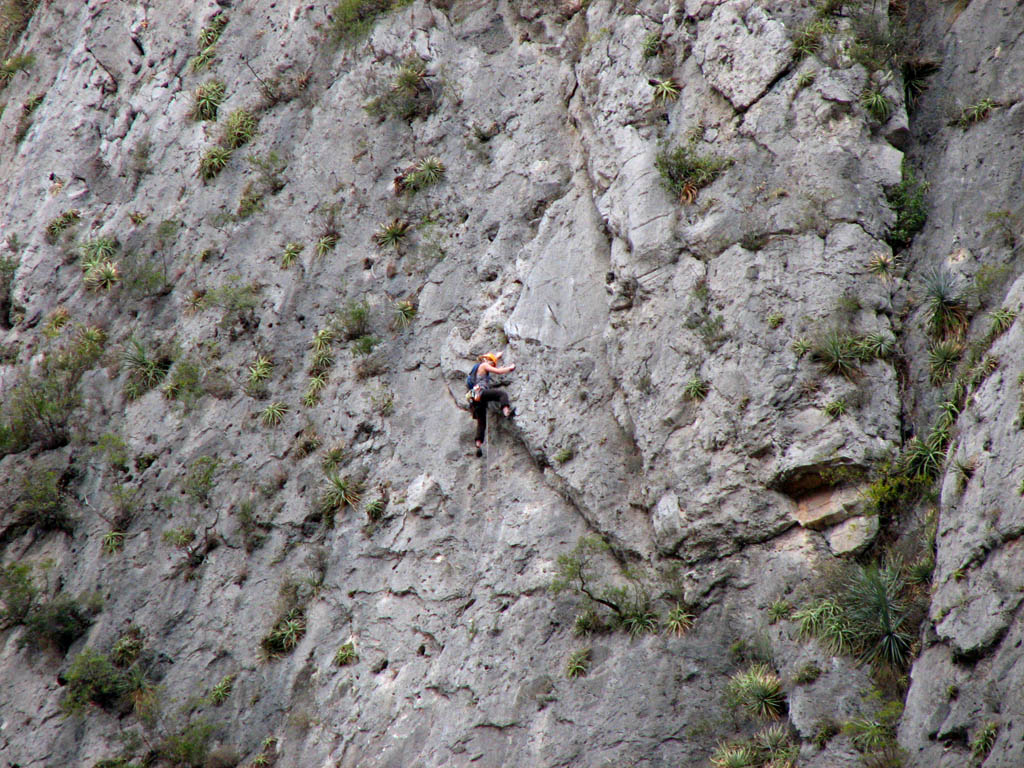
[(550, 236)]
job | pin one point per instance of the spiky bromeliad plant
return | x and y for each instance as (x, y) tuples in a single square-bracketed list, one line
[(945, 305), (758, 690)]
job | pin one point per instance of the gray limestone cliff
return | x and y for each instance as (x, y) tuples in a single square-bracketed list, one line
[(757, 264)]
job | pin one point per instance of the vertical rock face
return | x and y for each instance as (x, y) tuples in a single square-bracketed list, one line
[(964, 687), (247, 266)]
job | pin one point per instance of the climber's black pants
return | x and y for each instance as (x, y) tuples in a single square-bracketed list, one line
[(480, 409)]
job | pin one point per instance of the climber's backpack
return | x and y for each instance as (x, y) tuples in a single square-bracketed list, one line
[(471, 378)]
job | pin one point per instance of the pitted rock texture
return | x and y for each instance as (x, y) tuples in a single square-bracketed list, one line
[(549, 236)]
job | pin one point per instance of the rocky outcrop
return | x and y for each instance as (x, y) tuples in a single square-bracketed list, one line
[(316, 529)]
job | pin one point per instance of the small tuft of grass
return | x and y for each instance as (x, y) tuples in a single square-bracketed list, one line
[(28, 109), (665, 90), (57, 225), (884, 265), (145, 369), (807, 674), (273, 414), (984, 739), (876, 346), (578, 664), (734, 756), (260, 370), (975, 113), (339, 492), (290, 253), (651, 45), (375, 510), (211, 32), (809, 38), (325, 243), (405, 311), (220, 692), (684, 172), (876, 104), (779, 610), (835, 408), (679, 620), (98, 249), (563, 455), (101, 275), (352, 20), (346, 655), (286, 633), (112, 543), (425, 173), (758, 690), (696, 389), (838, 354), (364, 345), (945, 305), (213, 161), (207, 100), (942, 361), (239, 128), (12, 65), (1000, 321), (391, 234)]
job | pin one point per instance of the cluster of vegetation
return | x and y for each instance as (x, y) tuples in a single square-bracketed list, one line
[(290, 253), (14, 18), (684, 171), (871, 611), (420, 175), (772, 747), (118, 681), (38, 407), (874, 736), (809, 38), (99, 270), (975, 113), (408, 96), (289, 626), (664, 90), (337, 494), (208, 43), (254, 530), (907, 201), (239, 128), (206, 100), (145, 368), (840, 353), (346, 654), (321, 362), (404, 313), (352, 20), (200, 479), (236, 300), (54, 623), (59, 224), (757, 691), (606, 607), (184, 384)]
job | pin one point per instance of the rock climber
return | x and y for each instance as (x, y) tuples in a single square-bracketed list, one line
[(482, 392)]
